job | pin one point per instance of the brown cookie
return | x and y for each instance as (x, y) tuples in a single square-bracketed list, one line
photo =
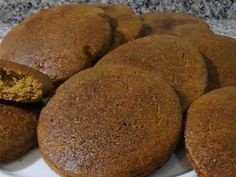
[(127, 26), (210, 133), (190, 29), (18, 124), (23, 84), (173, 58), (165, 22), (111, 121), (59, 41), (219, 53)]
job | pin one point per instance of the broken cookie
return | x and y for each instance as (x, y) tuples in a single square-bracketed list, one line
[(23, 84)]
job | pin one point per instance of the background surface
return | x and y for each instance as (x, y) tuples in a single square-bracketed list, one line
[(220, 14), (17, 10)]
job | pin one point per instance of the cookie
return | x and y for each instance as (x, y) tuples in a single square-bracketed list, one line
[(127, 26), (210, 133), (165, 22), (113, 120), (190, 29), (18, 124), (171, 57), (23, 84), (59, 41), (220, 56)]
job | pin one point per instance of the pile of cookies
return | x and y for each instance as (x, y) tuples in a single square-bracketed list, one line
[(108, 93)]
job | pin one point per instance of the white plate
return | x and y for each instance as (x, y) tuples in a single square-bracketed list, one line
[(32, 165)]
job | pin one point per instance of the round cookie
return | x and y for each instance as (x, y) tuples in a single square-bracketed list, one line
[(127, 26), (219, 53), (165, 22), (114, 121), (23, 84), (18, 124), (59, 41), (210, 133), (171, 57)]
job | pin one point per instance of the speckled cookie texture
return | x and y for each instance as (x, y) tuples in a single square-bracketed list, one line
[(210, 133), (219, 53), (127, 26), (23, 84), (165, 22), (171, 57), (59, 41), (103, 122), (18, 124)]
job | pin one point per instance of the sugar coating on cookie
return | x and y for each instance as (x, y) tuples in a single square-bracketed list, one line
[(110, 121), (173, 58), (210, 133), (23, 84), (59, 41)]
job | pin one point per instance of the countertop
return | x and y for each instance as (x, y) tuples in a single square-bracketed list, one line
[(221, 15), (16, 10)]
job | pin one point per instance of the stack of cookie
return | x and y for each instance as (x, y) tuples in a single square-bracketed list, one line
[(21, 91), (122, 117)]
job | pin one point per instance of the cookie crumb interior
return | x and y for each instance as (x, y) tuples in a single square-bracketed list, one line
[(19, 87)]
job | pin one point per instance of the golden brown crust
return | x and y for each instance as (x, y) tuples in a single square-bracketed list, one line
[(10, 71), (111, 121), (171, 57), (165, 22), (18, 124), (210, 133), (219, 53), (127, 26), (59, 41)]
